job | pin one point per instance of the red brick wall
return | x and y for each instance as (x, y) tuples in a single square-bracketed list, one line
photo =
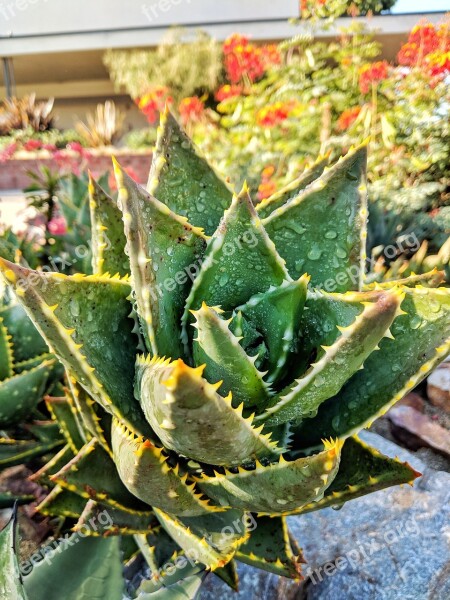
[(13, 172)]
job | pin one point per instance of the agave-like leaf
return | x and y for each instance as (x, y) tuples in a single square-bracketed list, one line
[(277, 487), (292, 189), (63, 410), (62, 503), (108, 238), (240, 261), (89, 567), (338, 363), (183, 180), (99, 519), (362, 470), (174, 395), (322, 231), (275, 314), (219, 350), (93, 475), (211, 539), (86, 322), (6, 352), (420, 342), (27, 342), (11, 584), (145, 470), (16, 452), (20, 394), (163, 248), (270, 547)]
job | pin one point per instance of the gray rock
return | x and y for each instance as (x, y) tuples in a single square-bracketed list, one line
[(391, 545)]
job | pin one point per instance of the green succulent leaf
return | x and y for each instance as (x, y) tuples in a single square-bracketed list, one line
[(6, 352), (290, 191), (93, 475), (98, 519), (146, 472), (339, 362), (225, 360), (53, 466), (183, 180), (62, 503), (163, 249), (16, 452), (11, 585), (322, 231), (276, 314), (8, 500), (89, 567), (271, 548), (278, 487), (27, 342), (210, 539), (174, 395), (63, 410), (88, 313), (88, 411), (108, 238), (420, 343), (186, 589), (240, 261), (362, 470), (20, 394)]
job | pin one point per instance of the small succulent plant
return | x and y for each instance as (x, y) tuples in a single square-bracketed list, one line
[(222, 359)]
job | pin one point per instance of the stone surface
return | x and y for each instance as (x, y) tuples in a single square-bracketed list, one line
[(415, 429), (438, 387), (396, 546)]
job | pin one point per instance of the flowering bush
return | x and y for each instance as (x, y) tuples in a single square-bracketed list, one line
[(340, 93), (428, 47), (191, 109)]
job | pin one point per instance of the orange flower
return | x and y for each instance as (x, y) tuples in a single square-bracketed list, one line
[(191, 109), (348, 117), (266, 189)]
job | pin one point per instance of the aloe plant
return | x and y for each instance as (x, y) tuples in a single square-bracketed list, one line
[(222, 359)]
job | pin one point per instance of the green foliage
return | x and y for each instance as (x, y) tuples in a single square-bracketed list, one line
[(170, 65), (251, 379)]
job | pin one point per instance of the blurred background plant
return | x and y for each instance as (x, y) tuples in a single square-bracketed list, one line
[(102, 128), (24, 113)]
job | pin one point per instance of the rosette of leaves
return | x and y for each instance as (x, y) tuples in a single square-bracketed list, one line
[(223, 358)]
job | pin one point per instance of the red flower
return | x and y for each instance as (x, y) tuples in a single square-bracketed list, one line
[(372, 73), (153, 102), (245, 61), (57, 226), (191, 109), (274, 114), (348, 117), (32, 145), (228, 91)]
